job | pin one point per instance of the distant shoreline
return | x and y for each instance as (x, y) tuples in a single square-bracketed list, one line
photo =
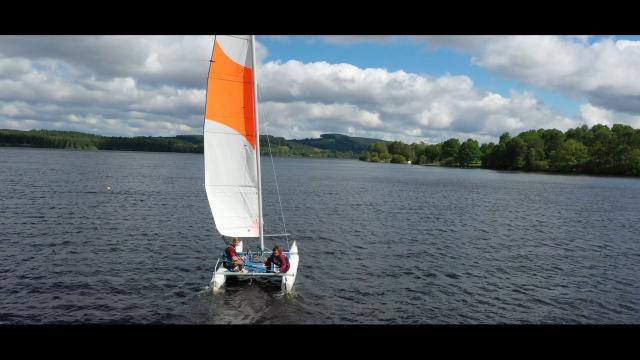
[(327, 146), (598, 150), (347, 159), (2, 146)]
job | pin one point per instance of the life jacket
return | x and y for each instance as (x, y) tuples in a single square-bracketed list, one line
[(276, 260), (226, 257)]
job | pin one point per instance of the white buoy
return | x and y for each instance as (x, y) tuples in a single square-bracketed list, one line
[(108, 188)]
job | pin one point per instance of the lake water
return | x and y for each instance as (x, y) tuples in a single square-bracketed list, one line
[(379, 243)]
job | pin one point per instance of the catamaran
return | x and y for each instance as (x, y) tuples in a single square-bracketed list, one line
[(232, 159)]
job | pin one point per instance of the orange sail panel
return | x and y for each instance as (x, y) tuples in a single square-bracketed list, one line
[(230, 152), (230, 89)]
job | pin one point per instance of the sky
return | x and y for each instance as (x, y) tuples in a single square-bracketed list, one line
[(409, 88)]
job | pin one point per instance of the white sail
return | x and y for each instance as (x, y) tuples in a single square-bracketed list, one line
[(231, 139)]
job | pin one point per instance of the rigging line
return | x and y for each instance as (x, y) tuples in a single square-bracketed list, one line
[(275, 177), (206, 91)]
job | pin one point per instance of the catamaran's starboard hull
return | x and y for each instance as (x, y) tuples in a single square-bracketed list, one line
[(288, 281)]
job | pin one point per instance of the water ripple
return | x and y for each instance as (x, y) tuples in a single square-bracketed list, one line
[(380, 243)]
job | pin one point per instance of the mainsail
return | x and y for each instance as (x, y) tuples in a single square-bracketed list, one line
[(231, 146)]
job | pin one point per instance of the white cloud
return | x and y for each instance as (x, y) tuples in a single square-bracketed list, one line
[(606, 72), (174, 60), (128, 85), (593, 115), (300, 119), (14, 67), (320, 96), (112, 85)]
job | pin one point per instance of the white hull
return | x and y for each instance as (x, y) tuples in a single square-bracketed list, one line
[(218, 280), (288, 281)]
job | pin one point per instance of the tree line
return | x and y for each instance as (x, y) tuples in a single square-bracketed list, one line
[(180, 143), (448, 153), (78, 140), (279, 146), (600, 149)]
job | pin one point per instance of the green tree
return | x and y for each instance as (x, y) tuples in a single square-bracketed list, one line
[(450, 150), (417, 150), (486, 152), (635, 139), (422, 159), (432, 153), (378, 147), (495, 156), (631, 162), (553, 138), (384, 157), (571, 156), (468, 153), (600, 149), (400, 148), (535, 149), (581, 134), (504, 138), (398, 159), (516, 151)]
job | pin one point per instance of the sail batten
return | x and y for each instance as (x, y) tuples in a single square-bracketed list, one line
[(230, 139)]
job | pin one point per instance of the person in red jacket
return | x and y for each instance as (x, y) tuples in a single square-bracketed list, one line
[(278, 259), (231, 260)]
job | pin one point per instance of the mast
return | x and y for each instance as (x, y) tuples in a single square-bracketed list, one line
[(255, 109)]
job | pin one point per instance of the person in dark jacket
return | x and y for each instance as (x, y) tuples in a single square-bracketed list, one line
[(278, 259), (231, 260)]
